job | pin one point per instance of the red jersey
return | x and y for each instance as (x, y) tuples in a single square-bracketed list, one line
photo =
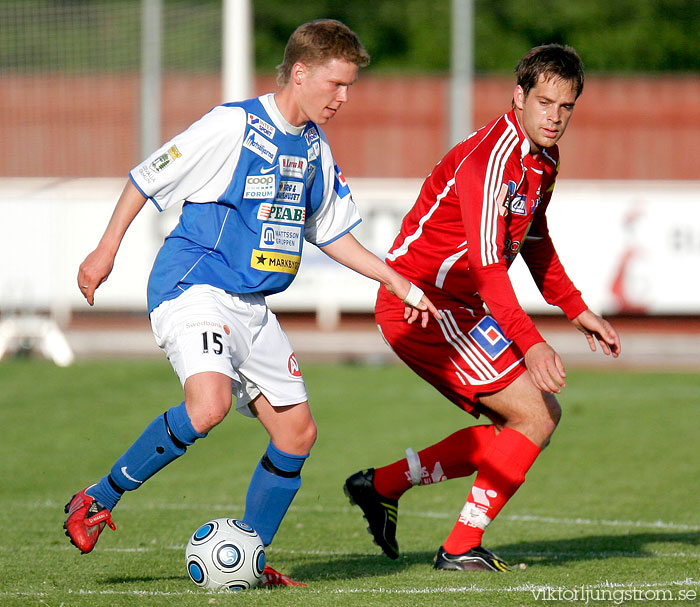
[(484, 203)]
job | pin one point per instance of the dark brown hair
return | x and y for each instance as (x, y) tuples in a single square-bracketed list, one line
[(550, 61), (319, 41)]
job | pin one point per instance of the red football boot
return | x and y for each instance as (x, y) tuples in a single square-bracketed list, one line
[(270, 577), (86, 520)]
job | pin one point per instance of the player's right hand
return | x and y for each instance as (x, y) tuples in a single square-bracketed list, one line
[(546, 368), (93, 272)]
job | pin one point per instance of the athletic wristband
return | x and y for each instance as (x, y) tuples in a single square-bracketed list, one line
[(414, 296)]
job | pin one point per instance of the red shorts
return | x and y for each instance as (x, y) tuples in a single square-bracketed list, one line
[(464, 356)]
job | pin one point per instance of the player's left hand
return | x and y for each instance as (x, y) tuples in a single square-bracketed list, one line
[(417, 303), (596, 328)]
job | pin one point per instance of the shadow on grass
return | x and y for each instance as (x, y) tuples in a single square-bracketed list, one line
[(595, 547), (536, 553)]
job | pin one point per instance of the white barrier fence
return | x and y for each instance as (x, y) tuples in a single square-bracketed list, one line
[(629, 247)]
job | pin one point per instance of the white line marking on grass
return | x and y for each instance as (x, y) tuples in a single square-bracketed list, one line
[(599, 522), (408, 591), (525, 518)]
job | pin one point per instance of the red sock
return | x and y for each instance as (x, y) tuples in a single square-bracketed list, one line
[(456, 456), (508, 458)]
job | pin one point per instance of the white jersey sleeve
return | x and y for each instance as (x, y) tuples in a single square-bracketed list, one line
[(197, 165), (337, 213)]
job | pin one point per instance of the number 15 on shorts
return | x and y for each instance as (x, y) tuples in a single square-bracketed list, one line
[(211, 342)]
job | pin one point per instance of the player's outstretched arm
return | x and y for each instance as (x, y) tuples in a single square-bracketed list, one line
[(98, 265), (596, 328), (348, 251)]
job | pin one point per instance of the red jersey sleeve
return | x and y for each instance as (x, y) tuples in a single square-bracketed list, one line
[(478, 183), (545, 267)]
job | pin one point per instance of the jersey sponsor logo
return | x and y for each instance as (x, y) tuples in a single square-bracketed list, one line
[(340, 185), (264, 127), (267, 170), (147, 174), (275, 236), (489, 337), (293, 366), (312, 135), (166, 159), (314, 151), (257, 144), (259, 186), (267, 261), (281, 212), (293, 166), (518, 205), (290, 191), (510, 201)]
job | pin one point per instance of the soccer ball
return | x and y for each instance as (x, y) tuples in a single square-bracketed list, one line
[(225, 553)]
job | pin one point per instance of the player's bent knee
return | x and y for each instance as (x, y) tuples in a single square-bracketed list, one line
[(204, 415)]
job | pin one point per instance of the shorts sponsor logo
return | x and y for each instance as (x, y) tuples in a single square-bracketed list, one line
[(293, 166), (166, 159), (257, 144), (198, 324), (264, 127), (281, 212), (293, 366), (489, 337), (275, 236), (290, 191), (268, 261), (259, 186)]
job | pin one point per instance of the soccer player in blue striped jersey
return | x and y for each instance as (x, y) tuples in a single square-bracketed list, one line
[(257, 178)]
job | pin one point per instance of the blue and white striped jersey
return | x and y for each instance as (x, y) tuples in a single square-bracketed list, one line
[(254, 188)]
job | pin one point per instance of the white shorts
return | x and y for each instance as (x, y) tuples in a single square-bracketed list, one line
[(207, 329)]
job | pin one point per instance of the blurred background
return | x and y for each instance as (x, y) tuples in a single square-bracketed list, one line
[(88, 88)]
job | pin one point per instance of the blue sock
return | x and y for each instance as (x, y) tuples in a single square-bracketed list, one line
[(164, 440), (275, 482)]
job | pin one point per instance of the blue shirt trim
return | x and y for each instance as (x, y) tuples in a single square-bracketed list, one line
[(352, 227), (153, 200)]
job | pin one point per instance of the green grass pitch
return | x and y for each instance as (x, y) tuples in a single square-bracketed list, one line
[(611, 508)]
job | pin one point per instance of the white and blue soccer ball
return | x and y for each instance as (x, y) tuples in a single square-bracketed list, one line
[(225, 554)]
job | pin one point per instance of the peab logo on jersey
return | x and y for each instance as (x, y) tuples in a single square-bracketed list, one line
[(293, 166), (264, 127), (489, 337), (257, 144), (282, 212), (259, 186)]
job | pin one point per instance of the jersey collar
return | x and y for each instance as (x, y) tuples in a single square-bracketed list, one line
[(268, 102)]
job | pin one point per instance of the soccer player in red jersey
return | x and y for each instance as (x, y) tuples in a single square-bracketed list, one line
[(484, 203)]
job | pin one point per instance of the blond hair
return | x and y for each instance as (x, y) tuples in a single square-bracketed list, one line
[(319, 41)]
